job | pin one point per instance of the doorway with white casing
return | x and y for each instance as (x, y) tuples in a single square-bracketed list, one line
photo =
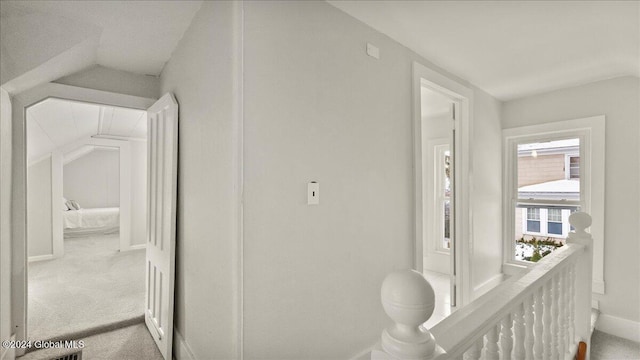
[(441, 133), (122, 166)]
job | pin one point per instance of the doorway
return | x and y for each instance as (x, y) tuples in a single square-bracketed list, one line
[(86, 216), (438, 126), (442, 124)]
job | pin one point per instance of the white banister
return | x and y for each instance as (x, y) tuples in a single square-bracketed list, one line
[(582, 278), (409, 300), (541, 314)]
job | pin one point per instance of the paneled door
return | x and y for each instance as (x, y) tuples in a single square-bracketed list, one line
[(162, 161)]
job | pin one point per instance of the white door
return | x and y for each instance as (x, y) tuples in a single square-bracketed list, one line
[(162, 161)]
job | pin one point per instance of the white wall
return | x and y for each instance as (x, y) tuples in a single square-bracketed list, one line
[(5, 222), (138, 192), (318, 108), (203, 75), (617, 99), (486, 194), (118, 81), (93, 180), (39, 234)]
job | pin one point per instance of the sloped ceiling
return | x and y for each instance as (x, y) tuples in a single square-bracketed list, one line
[(54, 123), (513, 49), (133, 36)]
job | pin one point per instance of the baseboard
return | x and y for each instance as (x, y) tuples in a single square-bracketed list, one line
[(181, 350), (41, 257), (620, 327), (8, 353), (363, 355), (135, 247), (487, 285)]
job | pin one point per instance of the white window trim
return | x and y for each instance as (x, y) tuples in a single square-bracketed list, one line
[(591, 132)]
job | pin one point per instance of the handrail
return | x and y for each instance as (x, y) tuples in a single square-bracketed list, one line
[(543, 313), (454, 333)]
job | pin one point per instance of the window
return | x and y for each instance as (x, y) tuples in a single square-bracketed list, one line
[(533, 220), (443, 196), (545, 195), (551, 170), (572, 167), (554, 221)]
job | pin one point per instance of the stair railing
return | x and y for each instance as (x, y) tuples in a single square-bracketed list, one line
[(542, 314)]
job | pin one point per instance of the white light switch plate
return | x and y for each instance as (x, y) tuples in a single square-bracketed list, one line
[(313, 193)]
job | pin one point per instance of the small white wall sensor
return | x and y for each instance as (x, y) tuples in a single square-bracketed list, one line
[(313, 193), (373, 51)]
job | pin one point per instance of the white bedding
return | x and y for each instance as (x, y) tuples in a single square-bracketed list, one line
[(91, 218)]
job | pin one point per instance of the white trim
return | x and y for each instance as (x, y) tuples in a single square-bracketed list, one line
[(8, 353), (364, 354), (627, 329), (135, 247), (486, 286), (591, 132), (181, 350), (18, 177), (41, 257), (57, 230), (597, 286), (463, 175)]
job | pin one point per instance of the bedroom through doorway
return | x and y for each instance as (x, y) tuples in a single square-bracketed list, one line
[(86, 217)]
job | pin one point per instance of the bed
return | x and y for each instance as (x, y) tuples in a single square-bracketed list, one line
[(91, 221)]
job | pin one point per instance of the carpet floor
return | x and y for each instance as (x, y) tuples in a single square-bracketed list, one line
[(128, 343), (609, 347), (92, 285)]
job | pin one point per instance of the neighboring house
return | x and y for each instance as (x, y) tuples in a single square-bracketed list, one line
[(547, 171)]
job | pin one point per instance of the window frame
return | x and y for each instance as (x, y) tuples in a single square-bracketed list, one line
[(440, 153), (591, 132)]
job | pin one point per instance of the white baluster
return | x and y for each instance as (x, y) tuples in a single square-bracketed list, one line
[(546, 301), (555, 304), (518, 331), (475, 351), (409, 300), (537, 346), (492, 350), (528, 321), (564, 316), (506, 337), (572, 303)]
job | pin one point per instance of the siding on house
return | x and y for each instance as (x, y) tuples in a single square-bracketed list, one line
[(540, 169)]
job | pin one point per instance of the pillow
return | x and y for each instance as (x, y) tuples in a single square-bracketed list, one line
[(73, 205), (64, 205)]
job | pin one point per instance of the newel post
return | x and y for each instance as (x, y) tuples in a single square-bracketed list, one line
[(409, 300), (583, 278)]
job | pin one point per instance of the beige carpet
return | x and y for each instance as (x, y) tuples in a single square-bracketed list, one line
[(92, 286), (609, 347), (129, 343)]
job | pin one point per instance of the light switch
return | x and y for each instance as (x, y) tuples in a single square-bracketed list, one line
[(313, 193)]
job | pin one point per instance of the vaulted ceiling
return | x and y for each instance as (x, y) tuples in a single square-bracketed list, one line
[(510, 49), (513, 49), (54, 123), (133, 36)]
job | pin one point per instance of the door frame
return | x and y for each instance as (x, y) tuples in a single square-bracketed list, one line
[(19, 253), (462, 95)]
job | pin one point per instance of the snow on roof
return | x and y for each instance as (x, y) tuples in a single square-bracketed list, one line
[(556, 186), (549, 144)]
